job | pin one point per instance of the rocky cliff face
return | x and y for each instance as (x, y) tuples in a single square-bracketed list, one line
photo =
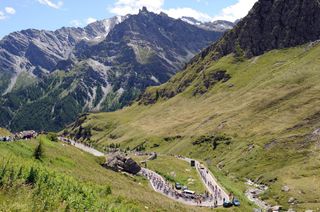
[(272, 24), (39, 52)]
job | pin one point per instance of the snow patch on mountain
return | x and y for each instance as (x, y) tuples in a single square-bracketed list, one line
[(218, 26)]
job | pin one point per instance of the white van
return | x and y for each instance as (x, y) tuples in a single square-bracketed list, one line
[(188, 192)]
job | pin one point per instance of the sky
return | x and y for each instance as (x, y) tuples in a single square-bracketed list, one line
[(17, 15)]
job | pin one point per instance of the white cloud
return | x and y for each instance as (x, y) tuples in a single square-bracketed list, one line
[(2, 15), (90, 20), (10, 10), (180, 12), (76, 23), (124, 7), (236, 11), (51, 4), (81, 23), (7, 11)]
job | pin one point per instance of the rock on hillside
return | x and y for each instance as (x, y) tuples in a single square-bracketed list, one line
[(119, 162)]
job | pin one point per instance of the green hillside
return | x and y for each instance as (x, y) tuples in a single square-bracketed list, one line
[(67, 179), (256, 121)]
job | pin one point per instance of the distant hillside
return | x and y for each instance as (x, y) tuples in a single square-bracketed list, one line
[(4, 132)]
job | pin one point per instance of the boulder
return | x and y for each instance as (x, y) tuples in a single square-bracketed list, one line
[(316, 132), (153, 156), (285, 188), (276, 208), (291, 200), (119, 162)]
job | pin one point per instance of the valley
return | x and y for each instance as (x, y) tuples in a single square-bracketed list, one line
[(156, 110)]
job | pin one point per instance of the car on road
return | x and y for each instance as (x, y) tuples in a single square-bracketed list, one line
[(184, 188), (236, 201), (178, 186), (227, 204)]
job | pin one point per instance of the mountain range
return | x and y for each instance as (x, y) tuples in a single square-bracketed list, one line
[(48, 78)]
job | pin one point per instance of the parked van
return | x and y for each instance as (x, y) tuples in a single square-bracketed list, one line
[(189, 192)]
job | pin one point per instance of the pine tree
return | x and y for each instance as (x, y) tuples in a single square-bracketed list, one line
[(239, 53), (31, 179)]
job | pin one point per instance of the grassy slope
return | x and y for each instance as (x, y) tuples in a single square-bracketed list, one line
[(270, 104), (128, 193)]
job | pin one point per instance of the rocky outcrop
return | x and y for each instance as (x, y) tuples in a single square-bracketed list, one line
[(271, 24), (209, 80), (120, 162)]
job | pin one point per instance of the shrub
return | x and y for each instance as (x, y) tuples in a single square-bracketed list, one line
[(214, 140), (52, 137)]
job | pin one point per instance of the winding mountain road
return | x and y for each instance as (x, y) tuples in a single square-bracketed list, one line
[(216, 194)]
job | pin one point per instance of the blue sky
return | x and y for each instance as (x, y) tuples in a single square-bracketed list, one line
[(52, 14)]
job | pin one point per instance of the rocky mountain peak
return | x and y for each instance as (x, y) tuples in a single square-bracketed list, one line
[(143, 10), (272, 24)]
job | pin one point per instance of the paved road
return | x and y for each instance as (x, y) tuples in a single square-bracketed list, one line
[(209, 181), (216, 192), (160, 185), (82, 147)]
